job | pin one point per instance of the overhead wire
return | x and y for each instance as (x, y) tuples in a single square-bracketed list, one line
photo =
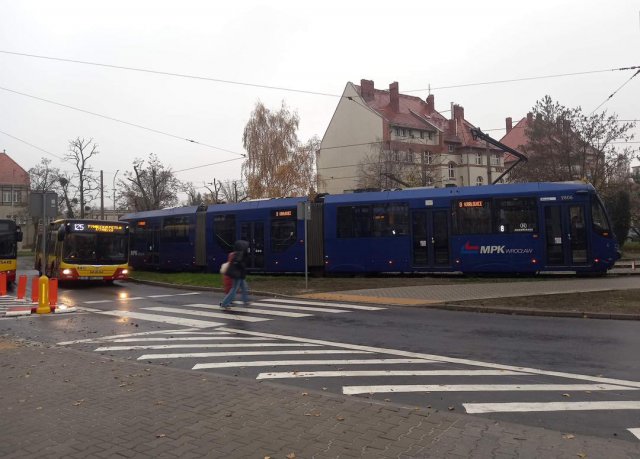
[(614, 92), (157, 131)]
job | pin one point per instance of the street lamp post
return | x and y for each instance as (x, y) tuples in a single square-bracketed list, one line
[(114, 193)]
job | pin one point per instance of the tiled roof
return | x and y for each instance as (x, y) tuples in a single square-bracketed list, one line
[(414, 113), (516, 138), (11, 173)]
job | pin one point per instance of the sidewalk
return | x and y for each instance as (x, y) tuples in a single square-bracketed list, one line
[(59, 402)]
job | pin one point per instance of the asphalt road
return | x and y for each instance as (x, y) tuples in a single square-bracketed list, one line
[(466, 362)]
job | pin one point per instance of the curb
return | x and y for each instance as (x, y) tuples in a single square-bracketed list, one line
[(431, 304)]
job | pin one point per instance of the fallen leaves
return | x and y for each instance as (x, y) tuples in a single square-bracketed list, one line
[(568, 436), (78, 402)]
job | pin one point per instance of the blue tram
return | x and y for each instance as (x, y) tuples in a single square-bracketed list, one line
[(512, 228)]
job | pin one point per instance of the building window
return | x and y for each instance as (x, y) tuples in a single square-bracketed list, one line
[(479, 181), (17, 196), (428, 181), (397, 130), (430, 135), (428, 157), (479, 158), (396, 156), (422, 134), (496, 159), (452, 171), (6, 196), (410, 156), (451, 148)]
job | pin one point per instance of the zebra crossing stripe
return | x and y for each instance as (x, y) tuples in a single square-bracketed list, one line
[(220, 315), (321, 303), (251, 310), (244, 353), (357, 373), (635, 432), (298, 308), (275, 363), (191, 338), (204, 346), (352, 390), (163, 319), (519, 407)]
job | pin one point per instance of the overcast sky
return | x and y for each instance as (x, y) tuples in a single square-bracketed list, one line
[(298, 45)]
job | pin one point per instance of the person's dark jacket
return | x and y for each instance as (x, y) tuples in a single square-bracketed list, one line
[(238, 267)]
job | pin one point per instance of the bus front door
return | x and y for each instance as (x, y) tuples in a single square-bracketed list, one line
[(430, 239), (253, 232), (566, 235)]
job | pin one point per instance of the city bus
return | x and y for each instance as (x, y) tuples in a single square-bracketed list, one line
[(10, 235), (79, 250)]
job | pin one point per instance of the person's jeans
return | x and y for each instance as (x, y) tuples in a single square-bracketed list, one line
[(237, 284)]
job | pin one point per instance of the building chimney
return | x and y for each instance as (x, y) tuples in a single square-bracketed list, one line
[(529, 119), (394, 97), (431, 105), (366, 89), (509, 122), (458, 112)]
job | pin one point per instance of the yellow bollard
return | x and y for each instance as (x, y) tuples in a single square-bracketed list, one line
[(43, 300)]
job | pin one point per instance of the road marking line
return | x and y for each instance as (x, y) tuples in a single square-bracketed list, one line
[(160, 296), (299, 308), (242, 353), (85, 309), (346, 373), (635, 432), (245, 309), (99, 301), (188, 293), (131, 298), (164, 319), (475, 408), (275, 363), (205, 346), (352, 390), (219, 315), (194, 338), (321, 303), (439, 358), (107, 338)]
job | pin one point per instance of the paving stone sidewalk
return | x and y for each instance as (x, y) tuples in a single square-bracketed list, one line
[(60, 402)]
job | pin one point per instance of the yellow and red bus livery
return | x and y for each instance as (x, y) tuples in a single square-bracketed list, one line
[(87, 250), (10, 235)]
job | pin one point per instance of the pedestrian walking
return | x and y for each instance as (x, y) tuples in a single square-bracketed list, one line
[(237, 271), (227, 282)]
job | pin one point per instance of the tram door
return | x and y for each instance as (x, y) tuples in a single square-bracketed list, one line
[(566, 235), (253, 232), (430, 237)]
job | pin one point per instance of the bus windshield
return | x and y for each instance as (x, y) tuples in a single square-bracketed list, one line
[(95, 248), (7, 244)]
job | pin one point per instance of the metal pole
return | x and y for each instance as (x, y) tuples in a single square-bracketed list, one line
[(44, 263), (101, 197), (306, 247), (114, 194)]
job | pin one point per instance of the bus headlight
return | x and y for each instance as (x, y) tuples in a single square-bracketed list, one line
[(124, 271), (66, 271)]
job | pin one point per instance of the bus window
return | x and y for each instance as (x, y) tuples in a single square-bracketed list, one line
[(516, 215), (472, 216)]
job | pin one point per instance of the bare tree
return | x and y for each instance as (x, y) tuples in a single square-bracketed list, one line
[(70, 202), (44, 178), (564, 144), (80, 151), (233, 191), (277, 165), (151, 186)]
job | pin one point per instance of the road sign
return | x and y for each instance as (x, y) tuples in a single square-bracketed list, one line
[(47, 200)]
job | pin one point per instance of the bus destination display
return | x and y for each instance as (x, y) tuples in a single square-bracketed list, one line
[(98, 228)]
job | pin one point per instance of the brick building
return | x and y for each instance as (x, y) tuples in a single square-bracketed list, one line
[(14, 192), (440, 150)]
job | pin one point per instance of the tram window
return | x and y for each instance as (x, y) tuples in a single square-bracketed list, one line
[(225, 231), (600, 222), (354, 221), (283, 234), (472, 216), (175, 229), (390, 219), (515, 215)]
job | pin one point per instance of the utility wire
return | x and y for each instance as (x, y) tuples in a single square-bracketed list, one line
[(120, 121), (301, 91), (33, 146), (614, 92), (181, 75), (206, 165)]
